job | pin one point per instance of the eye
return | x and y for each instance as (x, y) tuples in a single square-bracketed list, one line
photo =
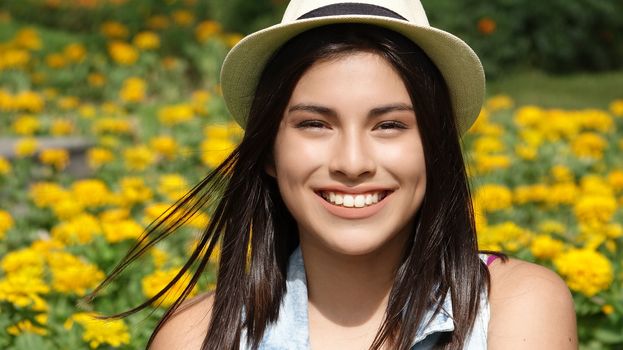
[(311, 124), (391, 124)]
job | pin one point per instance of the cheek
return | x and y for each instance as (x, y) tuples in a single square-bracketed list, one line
[(405, 161), (295, 161)]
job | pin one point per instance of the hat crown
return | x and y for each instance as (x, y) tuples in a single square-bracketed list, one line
[(411, 10)]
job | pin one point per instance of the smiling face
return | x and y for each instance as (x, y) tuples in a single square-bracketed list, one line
[(348, 158)]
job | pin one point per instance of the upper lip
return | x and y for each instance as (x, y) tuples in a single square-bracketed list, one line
[(354, 190)]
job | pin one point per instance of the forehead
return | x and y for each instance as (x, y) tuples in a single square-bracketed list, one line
[(361, 76)]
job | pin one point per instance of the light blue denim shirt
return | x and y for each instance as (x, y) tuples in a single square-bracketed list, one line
[(291, 331)]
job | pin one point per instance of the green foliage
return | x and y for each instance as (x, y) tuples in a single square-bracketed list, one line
[(557, 35)]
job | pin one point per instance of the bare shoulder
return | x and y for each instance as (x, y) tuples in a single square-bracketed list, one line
[(187, 327), (531, 308)]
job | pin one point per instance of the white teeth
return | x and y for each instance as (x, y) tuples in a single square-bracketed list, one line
[(339, 199), (360, 201), (349, 201), (352, 200)]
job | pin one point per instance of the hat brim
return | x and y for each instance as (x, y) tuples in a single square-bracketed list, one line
[(457, 62)]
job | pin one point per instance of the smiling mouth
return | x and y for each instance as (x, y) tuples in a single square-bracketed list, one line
[(358, 200)]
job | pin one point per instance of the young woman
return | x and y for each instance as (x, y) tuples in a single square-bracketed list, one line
[(344, 216)]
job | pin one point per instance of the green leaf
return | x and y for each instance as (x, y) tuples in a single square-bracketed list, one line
[(609, 336)]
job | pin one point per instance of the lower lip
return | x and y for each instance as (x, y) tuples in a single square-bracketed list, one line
[(354, 213)]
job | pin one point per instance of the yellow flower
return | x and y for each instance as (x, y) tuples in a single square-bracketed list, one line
[(593, 184), (215, 150), (216, 131), (147, 40), (114, 215), (56, 157), (87, 111), (75, 52), (159, 257), (552, 227), (153, 211), (44, 194), (96, 79), (62, 127), (607, 309), (562, 193), (26, 147), (5, 166), (123, 53), (77, 230), (91, 192), (530, 193), (28, 38), (172, 186), (98, 156), (23, 290), (231, 39), (586, 271), (594, 119), (133, 90), (545, 247), (155, 282), (595, 209), (68, 103), (616, 108), (73, 275), (25, 125), (526, 152), (486, 163), (67, 208), (26, 326), (183, 17), (134, 190), (175, 114), (98, 332), (112, 125), (493, 197), (14, 59), (117, 231), (200, 99), (561, 173), (505, 236), (25, 261), (529, 116), (488, 145), (615, 179), (499, 102), (206, 30), (164, 145), (114, 30), (138, 157), (589, 145), (157, 22), (531, 138), (6, 222), (55, 60)]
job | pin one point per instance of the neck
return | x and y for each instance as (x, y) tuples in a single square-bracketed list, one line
[(347, 290)]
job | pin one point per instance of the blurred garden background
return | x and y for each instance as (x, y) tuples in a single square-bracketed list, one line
[(110, 111)]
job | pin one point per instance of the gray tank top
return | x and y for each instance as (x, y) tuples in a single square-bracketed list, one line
[(291, 331)]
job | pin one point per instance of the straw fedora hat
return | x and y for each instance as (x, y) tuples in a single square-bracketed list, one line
[(457, 62)]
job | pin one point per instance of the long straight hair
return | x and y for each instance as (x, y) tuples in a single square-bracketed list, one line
[(258, 234)]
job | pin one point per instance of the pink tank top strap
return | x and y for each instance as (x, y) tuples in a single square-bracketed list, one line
[(491, 258)]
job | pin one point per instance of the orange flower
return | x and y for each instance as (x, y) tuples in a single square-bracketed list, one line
[(123, 53), (486, 26)]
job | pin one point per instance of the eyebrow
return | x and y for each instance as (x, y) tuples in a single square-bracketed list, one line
[(374, 112)]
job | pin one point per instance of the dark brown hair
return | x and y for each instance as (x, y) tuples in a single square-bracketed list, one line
[(442, 255)]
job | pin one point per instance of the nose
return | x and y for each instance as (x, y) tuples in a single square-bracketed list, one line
[(352, 158)]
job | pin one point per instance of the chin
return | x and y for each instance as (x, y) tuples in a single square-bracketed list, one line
[(356, 242)]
